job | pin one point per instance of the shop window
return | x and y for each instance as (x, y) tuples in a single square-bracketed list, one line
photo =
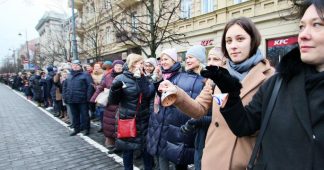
[(278, 47)]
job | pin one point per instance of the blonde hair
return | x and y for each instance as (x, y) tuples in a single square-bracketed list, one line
[(197, 71), (132, 59), (217, 51)]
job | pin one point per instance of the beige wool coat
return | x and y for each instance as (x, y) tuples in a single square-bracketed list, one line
[(223, 150)]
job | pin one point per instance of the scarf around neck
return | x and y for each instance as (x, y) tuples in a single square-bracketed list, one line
[(242, 69), (167, 74)]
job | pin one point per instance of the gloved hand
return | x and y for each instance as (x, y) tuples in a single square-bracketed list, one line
[(222, 78), (116, 85), (188, 127)]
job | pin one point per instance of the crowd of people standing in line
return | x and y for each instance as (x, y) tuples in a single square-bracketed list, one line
[(219, 106)]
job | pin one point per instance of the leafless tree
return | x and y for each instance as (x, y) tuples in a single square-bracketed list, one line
[(149, 27), (53, 50), (92, 34)]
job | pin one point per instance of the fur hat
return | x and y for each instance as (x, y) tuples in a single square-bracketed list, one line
[(199, 52), (171, 52)]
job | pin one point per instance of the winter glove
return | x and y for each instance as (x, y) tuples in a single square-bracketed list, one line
[(188, 128), (116, 86), (222, 78)]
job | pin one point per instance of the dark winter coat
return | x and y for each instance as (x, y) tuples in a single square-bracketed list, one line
[(77, 88), (50, 88), (37, 89), (128, 98), (109, 119), (294, 138), (165, 137)]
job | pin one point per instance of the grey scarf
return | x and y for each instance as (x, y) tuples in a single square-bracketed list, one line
[(241, 70)]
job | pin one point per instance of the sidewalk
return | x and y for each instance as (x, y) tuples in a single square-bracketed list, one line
[(31, 139)]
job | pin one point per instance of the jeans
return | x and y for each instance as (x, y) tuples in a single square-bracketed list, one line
[(99, 113), (70, 116), (80, 116), (128, 160), (165, 164)]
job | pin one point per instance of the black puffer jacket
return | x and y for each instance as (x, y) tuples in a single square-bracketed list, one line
[(128, 98)]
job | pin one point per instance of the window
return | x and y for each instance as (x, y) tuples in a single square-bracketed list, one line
[(108, 35), (207, 6), (185, 8), (239, 1), (134, 21)]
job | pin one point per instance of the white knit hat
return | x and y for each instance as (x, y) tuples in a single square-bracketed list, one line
[(171, 52), (151, 61)]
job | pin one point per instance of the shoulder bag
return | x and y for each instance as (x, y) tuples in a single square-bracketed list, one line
[(126, 128)]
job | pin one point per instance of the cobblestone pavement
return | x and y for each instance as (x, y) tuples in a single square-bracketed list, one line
[(31, 139)]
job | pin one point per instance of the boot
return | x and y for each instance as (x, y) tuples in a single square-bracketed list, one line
[(75, 132), (87, 132)]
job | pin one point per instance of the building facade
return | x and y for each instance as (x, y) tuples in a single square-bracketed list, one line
[(201, 21), (53, 38)]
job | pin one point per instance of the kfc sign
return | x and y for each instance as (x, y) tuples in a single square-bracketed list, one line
[(282, 41), (207, 42)]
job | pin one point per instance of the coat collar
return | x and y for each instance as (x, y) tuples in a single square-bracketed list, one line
[(255, 77)]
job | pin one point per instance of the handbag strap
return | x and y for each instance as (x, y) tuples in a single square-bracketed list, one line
[(265, 122), (138, 103)]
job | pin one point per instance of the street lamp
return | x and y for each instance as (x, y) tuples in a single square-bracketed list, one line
[(74, 42), (26, 49), (14, 57)]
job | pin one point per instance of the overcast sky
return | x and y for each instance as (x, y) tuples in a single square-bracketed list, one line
[(21, 16)]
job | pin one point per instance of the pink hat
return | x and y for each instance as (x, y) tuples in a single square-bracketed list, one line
[(171, 52)]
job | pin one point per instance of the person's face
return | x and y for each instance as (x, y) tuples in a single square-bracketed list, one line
[(192, 62), (214, 60), (311, 38), (238, 43), (89, 68), (64, 76), (166, 62), (76, 67), (96, 67), (118, 68), (138, 65), (148, 68)]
